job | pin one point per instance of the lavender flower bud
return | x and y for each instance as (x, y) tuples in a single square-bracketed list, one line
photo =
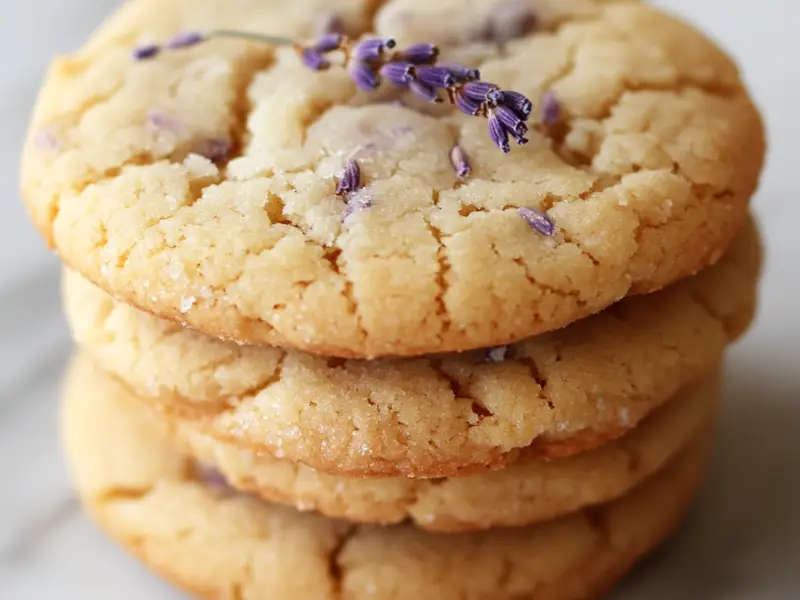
[(398, 73), (314, 60), (350, 180), (363, 75), (551, 109), (460, 162), (510, 120), (211, 477), (519, 103), (372, 50), (424, 91), (184, 40), (328, 43), (355, 203), (435, 77), (419, 54), (537, 220), (495, 97), (146, 51), (499, 134), (461, 73), (477, 90), (467, 105)]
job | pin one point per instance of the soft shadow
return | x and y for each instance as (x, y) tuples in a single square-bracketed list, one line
[(744, 533)]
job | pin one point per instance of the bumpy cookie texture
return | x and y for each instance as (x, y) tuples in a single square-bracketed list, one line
[(217, 544), (553, 395), (647, 176), (521, 494)]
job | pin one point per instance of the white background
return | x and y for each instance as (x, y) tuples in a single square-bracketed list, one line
[(743, 542)]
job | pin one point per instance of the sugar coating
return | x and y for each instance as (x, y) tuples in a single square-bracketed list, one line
[(523, 493), (553, 395), (647, 176), (220, 545)]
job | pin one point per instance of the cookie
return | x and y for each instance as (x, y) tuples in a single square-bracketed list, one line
[(522, 494), (219, 544), (201, 185), (553, 395)]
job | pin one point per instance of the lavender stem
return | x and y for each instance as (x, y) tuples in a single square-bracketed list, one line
[(248, 35)]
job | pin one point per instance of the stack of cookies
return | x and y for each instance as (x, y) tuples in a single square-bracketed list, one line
[(345, 342)]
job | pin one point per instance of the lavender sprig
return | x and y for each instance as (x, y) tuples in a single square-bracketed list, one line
[(370, 61)]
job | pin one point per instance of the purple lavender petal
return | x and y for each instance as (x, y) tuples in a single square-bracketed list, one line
[(372, 50), (425, 92), (184, 40), (499, 134), (328, 43), (467, 105), (519, 103), (363, 75), (217, 150), (419, 54), (461, 73), (350, 180), (495, 355), (398, 73), (314, 60), (211, 477), (161, 121), (551, 109), (146, 51), (510, 120), (477, 90), (460, 162), (435, 77), (537, 220)]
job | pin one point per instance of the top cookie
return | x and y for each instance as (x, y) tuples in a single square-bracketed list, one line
[(646, 175)]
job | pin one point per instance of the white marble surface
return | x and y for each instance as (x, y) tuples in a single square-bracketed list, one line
[(743, 542)]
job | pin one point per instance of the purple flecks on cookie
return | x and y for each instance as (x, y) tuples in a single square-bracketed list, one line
[(551, 109), (537, 220), (161, 121), (146, 51), (217, 150), (496, 355), (211, 477), (184, 40), (460, 162), (45, 140)]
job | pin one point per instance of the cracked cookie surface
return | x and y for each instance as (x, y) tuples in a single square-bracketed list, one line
[(521, 494), (219, 544), (647, 177), (553, 395)]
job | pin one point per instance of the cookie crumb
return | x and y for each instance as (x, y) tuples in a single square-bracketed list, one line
[(624, 416), (187, 302)]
